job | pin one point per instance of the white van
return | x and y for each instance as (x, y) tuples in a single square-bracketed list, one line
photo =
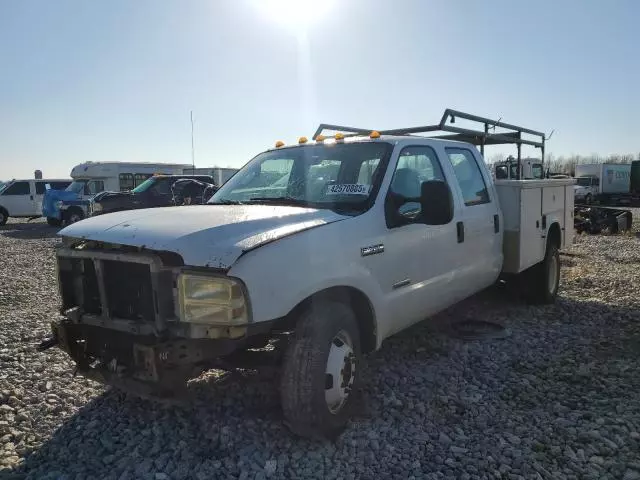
[(23, 198)]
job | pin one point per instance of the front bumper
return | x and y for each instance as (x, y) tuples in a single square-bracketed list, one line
[(142, 363)]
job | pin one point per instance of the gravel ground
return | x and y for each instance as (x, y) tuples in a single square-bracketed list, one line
[(557, 398)]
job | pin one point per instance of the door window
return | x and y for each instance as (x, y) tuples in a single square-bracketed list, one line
[(469, 177), (162, 187), (18, 188), (416, 164)]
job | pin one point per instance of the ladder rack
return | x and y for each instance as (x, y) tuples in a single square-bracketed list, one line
[(480, 137)]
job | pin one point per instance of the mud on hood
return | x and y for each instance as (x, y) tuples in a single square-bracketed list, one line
[(204, 235)]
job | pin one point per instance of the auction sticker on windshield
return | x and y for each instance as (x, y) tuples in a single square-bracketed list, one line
[(348, 189)]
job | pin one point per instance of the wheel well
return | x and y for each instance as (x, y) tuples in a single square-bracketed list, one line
[(554, 236), (358, 302), (2, 209), (74, 209)]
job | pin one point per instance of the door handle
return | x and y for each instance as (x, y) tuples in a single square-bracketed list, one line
[(496, 223), (460, 229), (31, 197)]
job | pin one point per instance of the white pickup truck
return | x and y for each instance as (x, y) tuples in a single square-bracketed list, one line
[(332, 245)]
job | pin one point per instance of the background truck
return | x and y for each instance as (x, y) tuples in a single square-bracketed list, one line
[(529, 169), (156, 191), (90, 178), (607, 183), (23, 198), (371, 233)]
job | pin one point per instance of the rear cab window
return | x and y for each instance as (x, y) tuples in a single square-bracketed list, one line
[(468, 176)]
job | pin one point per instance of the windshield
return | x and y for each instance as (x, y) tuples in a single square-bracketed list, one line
[(76, 186), (144, 186), (584, 181), (3, 186), (320, 176)]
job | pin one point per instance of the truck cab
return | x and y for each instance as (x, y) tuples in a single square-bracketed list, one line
[(367, 233), (586, 188), (154, 192), (529, 169)]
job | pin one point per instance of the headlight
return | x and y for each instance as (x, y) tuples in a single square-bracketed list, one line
[(96, 207), (59, 204), (211, 300)]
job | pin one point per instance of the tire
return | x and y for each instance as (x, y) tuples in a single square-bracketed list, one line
[(543, 280), (326, 339), (53, 222), (4, 216), (73, 215)]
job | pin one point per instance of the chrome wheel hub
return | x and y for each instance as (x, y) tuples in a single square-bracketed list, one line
[(340, 371)]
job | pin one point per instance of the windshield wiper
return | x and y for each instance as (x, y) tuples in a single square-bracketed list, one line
[(226, 202), (282, 200)]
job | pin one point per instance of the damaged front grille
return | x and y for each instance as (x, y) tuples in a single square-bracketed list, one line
[(131, 287), (128, 290)]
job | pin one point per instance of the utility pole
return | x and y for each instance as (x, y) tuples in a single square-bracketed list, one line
[(193, 154)]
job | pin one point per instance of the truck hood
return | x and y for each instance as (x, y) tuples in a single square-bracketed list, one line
[(204, 235), (55, 195)]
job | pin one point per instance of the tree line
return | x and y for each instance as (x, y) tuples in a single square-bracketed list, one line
[(567, 164)]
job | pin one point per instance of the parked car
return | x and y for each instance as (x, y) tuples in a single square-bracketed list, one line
[(90, 178), (154, 192), (367, 236), (23, 198)]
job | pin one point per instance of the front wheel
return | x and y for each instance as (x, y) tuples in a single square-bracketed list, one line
[(321, 371), (543, 280), (4, 216), (72, 216)]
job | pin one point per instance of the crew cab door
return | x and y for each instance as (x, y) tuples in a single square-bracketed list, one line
[(478, 228), (420, 259)]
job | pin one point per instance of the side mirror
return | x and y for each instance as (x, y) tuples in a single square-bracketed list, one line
[(436, 202)]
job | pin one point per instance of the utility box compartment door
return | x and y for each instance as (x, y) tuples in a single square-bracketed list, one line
[(531, 241), (552, 199), (568, 231)]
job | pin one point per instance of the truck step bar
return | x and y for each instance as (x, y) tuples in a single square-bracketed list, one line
[(595, 219)]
